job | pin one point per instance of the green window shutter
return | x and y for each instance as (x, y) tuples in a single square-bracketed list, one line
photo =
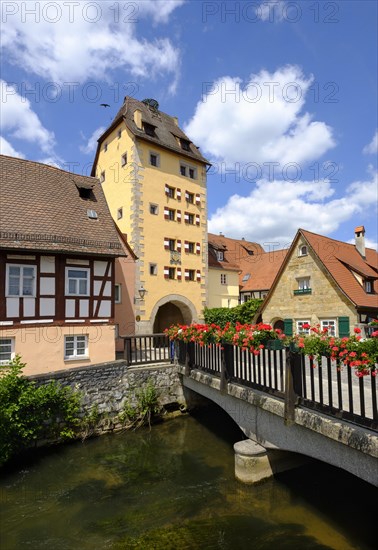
[(344, 327), (288, 327)]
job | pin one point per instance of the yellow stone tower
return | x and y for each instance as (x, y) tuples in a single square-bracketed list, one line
[(154, 180)]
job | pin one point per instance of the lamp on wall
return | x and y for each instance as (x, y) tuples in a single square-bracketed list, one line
[(142, 292)]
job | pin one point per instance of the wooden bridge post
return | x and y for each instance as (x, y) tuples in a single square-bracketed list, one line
[(226, 366), (293, 384), (189, 359), (127, 351)]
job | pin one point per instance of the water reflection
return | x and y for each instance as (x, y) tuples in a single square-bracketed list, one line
[(174, 487)]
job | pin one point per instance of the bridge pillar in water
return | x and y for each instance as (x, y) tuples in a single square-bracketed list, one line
[(253, 462)]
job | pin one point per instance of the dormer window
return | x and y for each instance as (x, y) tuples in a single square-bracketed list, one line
[(185, 144), (368, 285), (149, 129), (246, 277), (303, 251), (220, 255)]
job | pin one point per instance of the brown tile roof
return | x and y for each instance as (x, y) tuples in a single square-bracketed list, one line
[(339, 259), (262, 269), (41, 209), (235, 250), (165, 128)]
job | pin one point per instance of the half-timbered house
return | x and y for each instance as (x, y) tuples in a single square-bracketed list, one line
[(58, 247)]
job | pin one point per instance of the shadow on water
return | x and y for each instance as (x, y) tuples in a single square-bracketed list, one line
[(174, 488)]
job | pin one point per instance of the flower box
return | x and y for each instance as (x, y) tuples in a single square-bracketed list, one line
[(274, 344)]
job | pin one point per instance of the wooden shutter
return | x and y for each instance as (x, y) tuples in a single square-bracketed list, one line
[(288, 327), (344, 327)]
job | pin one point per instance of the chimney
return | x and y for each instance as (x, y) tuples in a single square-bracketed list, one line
[(359, 234), (138, 118)]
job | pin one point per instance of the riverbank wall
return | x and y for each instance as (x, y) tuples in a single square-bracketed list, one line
[(106, 388)]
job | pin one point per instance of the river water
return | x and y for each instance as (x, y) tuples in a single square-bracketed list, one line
[(173, 488)]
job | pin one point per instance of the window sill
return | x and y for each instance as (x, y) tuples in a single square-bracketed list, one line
[(70, 359), (301, 291)]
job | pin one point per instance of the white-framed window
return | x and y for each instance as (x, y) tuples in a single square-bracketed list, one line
[(75, 347), (77, 281), (20, 280), (303, 327), (119, 213), (223, 279), (117, 293), (155, 159), (304, 283), (368, 286), (220, 255), (329, 324), (6, 350), (303, 250)]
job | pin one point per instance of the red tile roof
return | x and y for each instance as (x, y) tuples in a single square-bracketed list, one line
[(234, 251), (340, 259), (41, 209), (262, 269)]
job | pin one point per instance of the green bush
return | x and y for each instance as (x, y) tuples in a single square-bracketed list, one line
[(135, 415), (29, 412), (243, 313)]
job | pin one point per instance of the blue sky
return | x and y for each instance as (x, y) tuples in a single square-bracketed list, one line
[(280, 96)]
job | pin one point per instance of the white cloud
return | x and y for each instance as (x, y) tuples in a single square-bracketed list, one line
[(271, 11), (78, 42), (274, 210), (259, 121), (91, 144), (372, 147), (19, 120), (7, 149)]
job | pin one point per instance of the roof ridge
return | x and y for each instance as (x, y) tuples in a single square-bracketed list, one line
[(37, 162), (332, 239)]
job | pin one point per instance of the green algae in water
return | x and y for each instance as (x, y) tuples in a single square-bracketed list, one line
[(226, 533)]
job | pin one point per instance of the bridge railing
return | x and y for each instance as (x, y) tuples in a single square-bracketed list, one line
[(328, 387), (143, 349)]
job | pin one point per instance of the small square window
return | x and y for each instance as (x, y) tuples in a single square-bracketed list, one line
[(155, 159), (6, 350), (153, 269), (77, 281), (149, 129), (154, 209), (191, 248), (304, 283), (303, 327), (171, 214), (75, 347), (185, 144), (330, 325), (192, 173), (117, 293), (190, 219), (191, 274), (182, 170), (119, 213), (368, 286), (124, 159), (220, 255)]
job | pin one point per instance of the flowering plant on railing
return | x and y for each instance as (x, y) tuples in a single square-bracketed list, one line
[(373, 323), (251, 337), (349, 350)]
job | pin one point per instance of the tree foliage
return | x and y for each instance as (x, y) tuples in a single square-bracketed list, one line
[(243, 313), (29, 412)]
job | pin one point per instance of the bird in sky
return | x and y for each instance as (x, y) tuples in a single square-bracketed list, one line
[(104, 105)]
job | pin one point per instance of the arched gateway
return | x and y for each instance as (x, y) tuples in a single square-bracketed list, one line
[(172, 309)]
